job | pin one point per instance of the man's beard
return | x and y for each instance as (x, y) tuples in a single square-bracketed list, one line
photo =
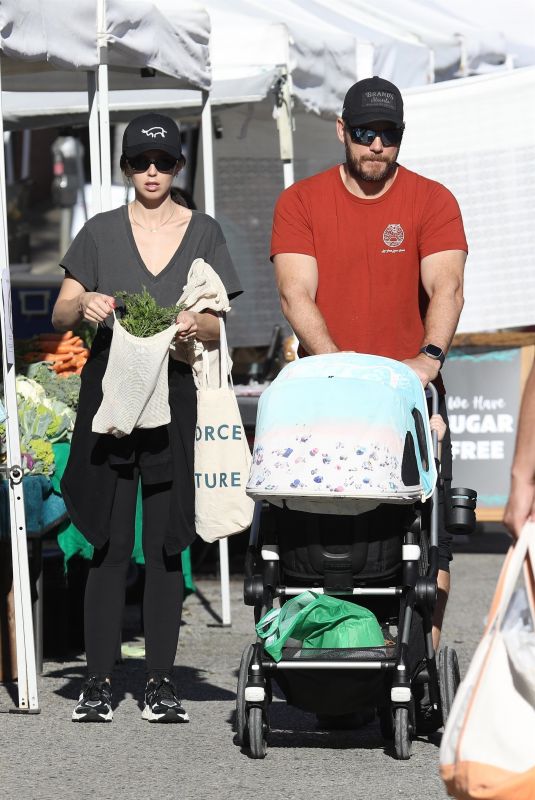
[(356, 167)]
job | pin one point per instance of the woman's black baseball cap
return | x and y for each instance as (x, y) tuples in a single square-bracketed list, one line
[(152, 132)]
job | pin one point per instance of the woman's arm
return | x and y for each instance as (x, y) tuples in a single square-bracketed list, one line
[(202, 325), (74, 304)]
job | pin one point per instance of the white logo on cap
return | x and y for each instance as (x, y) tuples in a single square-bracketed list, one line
[(154, 132), (393, 235)]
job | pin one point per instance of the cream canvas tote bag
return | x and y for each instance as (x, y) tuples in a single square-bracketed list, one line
[(488, 746), (222, 455)]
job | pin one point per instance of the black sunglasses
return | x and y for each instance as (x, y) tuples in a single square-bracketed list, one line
[(141, 163), (389, 137)]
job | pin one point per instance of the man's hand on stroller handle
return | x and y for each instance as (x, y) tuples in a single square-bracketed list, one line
[(426, 368), (436, 423)]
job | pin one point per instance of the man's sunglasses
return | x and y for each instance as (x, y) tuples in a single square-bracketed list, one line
[(141, 163), (389, 137)]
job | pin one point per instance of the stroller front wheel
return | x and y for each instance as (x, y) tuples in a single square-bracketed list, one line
[(257, 733), (402, 734), (242, 734), (449, 678)]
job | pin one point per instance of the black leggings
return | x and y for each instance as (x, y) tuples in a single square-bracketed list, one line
[(164, 583)]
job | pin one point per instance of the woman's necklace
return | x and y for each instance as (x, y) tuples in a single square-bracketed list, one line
[(152, 230)]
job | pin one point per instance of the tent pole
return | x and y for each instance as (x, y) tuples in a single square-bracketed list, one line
[(104, 108), (282, 112), (26, 670), (209, 208), (208, 155), (104, 126), (94, 143)]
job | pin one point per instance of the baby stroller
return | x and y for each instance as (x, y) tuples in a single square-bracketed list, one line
[(347, 436)]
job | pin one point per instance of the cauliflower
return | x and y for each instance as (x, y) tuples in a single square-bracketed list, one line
[(29, 389), (38, 456), (49, 419)]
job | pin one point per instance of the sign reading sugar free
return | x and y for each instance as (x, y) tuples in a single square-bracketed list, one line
[(217, 434), (483, 400)]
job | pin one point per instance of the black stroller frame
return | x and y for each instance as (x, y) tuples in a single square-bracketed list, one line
[(417, 591)]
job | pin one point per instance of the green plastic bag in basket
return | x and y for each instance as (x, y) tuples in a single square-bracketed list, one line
[(319, 621)]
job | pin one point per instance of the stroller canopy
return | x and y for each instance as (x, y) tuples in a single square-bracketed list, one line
[(342, 433)]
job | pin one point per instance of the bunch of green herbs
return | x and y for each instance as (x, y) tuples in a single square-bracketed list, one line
[(143, 316)]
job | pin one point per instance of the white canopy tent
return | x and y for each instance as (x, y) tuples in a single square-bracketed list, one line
[(476, 136), (104, 42), (514, 21)]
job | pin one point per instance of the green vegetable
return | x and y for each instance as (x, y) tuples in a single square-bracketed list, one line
[(41, 456), (66, 389), (143, 316), (49, 419)]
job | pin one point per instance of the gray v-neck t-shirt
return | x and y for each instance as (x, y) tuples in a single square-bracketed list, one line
[(104, 257)]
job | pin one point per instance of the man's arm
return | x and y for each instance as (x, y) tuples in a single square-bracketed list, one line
[(297, 282), (442, 278), (521, 504)]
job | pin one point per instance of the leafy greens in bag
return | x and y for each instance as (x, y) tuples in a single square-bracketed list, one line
[(143, 316)]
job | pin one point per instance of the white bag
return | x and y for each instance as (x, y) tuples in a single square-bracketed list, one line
[(222, 455), (135, 385), (488, 747)]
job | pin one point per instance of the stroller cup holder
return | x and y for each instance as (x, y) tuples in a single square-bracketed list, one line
[(460, 510)]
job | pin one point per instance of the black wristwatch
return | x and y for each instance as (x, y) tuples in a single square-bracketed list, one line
[(435, 352)]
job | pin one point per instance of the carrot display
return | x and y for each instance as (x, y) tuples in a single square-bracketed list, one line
[(66, 353)]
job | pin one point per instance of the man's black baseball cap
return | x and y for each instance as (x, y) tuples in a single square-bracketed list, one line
[(373, 100), (152, 132)]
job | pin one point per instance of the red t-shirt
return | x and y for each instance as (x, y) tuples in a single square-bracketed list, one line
[(368, 254)]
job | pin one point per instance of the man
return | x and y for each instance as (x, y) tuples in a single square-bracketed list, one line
[(370, 257), (521, 504)]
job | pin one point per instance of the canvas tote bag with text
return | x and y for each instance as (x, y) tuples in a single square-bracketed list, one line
[(222, 455)]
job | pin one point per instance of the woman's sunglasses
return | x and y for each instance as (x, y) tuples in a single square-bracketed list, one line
[(141, 163), (389, 137)]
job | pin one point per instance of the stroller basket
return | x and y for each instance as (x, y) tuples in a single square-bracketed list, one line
[(342, 433)]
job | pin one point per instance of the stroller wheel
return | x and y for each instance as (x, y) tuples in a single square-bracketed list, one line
[(449, 678), (257, 733), (402, 734), (242, 734)]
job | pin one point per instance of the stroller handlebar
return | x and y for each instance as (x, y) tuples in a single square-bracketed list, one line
[(434, 410)]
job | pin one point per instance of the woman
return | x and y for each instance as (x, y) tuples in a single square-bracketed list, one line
[(150, 243)]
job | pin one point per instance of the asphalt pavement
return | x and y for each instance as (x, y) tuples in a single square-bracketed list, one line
[(47, 757)]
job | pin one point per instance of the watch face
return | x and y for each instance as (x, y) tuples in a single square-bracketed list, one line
[(433, 351)]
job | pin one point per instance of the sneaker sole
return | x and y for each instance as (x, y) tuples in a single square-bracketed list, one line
[(169, 716), (92, 717)]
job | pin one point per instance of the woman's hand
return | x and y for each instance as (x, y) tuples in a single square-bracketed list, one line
[(188, 327), (203, 326), (95, 307)]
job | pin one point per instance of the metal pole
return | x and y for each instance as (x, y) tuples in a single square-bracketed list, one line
[(27, 679), (209, 208), (104, 127), (37, 561), (208, 155), (94, 143), (103, 108), (285, 123)]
